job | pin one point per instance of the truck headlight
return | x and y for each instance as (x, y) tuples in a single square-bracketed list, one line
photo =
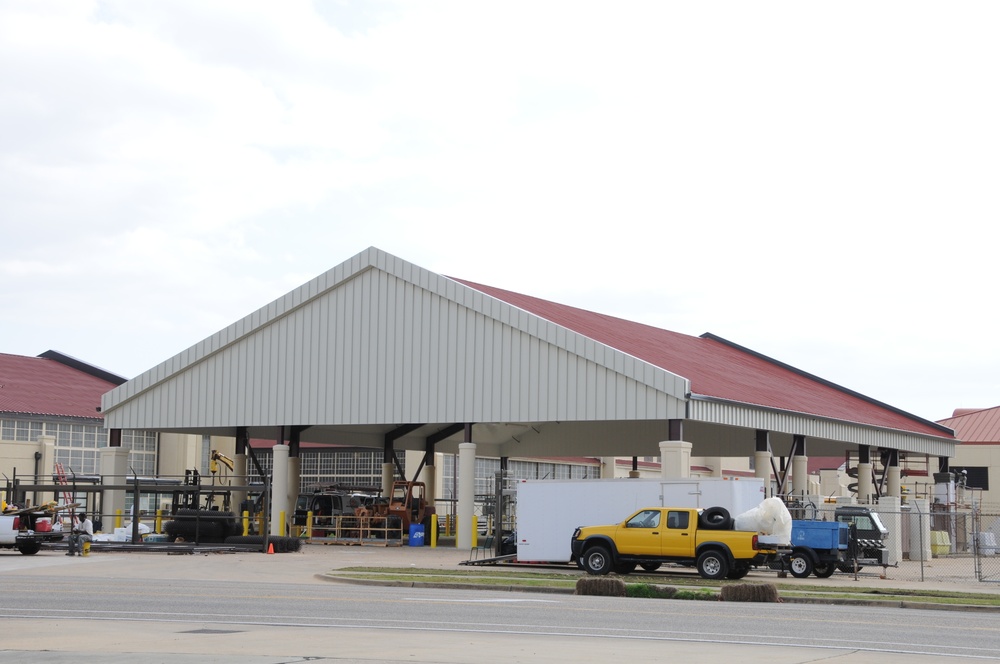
[(576, 533)]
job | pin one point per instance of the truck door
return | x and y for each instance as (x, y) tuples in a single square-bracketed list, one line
[(678, 538), (641, 534)]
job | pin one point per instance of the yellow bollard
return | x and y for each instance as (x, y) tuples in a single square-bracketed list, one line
[(158, 524), (282, 529), (434, 530), (475, 530), (118, 518), (246, 523), (309, 524)]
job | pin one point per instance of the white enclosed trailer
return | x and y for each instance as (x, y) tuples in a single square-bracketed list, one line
[(548, 511)]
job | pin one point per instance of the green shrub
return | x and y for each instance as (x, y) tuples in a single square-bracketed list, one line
[(649, 590)]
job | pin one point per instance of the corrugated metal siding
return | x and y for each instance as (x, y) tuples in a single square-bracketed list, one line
[(397, 344), (750, 417)]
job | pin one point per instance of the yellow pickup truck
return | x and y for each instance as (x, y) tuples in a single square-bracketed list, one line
[(656, 535)]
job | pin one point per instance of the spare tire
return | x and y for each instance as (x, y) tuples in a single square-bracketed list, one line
[(715, 518)]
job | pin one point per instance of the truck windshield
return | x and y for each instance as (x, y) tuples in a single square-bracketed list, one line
[(644, 519)]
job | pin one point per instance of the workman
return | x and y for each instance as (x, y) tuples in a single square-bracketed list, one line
[(83, 531)]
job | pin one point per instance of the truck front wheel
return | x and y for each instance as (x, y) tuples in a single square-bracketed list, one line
[(800, 565), (712, 564), (597, 560)]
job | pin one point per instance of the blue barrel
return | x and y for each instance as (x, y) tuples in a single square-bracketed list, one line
[(416, 534)]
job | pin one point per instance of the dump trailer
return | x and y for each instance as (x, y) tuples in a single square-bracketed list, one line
[(548, 511), (818, 547)]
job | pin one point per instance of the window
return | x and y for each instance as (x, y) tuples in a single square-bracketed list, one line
[(644, 519), (678, 520)]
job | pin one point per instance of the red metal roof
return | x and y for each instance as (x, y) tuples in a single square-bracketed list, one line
[(719, 369), (976, 426), (42, 386)]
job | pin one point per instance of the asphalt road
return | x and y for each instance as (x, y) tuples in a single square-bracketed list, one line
[(261, 609)]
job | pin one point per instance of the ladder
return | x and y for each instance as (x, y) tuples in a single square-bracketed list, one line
[(67, 495)]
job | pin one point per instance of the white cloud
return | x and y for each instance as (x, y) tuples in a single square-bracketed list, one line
[(812, 181)]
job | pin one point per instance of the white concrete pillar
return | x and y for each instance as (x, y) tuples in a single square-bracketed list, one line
[(47, 446), (920, 529), (607, 467), (279, 490), (800, 475), (715, 464), (762, 468), (892, 482), (675, 459), (428, 477), (294, 480), (388, 472), (240, 478), (889, 511), (865, 486), (114, 470), (466, 495)]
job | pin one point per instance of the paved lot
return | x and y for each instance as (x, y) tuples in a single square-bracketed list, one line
[(312, 565), (314, 561)]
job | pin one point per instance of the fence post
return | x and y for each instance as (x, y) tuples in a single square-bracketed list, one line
[(920, 527)]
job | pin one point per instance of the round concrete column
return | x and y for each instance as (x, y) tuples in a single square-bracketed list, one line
[(388, 472), (675, 459), (279, 489), (865, 486), (294, 480), (892, 482), (239, 479), (466, 494), (800, 475), (762, 467)]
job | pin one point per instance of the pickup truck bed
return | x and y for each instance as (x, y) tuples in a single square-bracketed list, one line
[(17, 532)]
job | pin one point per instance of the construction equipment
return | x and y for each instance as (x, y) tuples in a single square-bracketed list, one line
[(217, 458), (406, 503)]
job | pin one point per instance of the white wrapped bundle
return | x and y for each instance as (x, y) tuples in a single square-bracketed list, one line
[(771, 517)]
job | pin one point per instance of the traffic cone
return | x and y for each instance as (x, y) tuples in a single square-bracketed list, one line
[(270, 547)]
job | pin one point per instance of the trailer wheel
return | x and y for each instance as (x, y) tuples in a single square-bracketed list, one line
[(597, 560), (650, 567), (29, 548), (800, 565), (712, 564), (715, 518), (823, 570)]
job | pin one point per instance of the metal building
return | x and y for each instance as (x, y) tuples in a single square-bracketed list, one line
[(378, 352)]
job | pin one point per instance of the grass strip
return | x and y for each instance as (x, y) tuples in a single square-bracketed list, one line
[(685, 587)]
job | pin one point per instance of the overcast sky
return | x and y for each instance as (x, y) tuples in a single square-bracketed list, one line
[(815, 181)]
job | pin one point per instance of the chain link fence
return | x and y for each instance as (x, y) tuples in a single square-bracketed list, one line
[(959, 546)]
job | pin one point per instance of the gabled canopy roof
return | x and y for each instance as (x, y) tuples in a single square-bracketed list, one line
[(377, 342)]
